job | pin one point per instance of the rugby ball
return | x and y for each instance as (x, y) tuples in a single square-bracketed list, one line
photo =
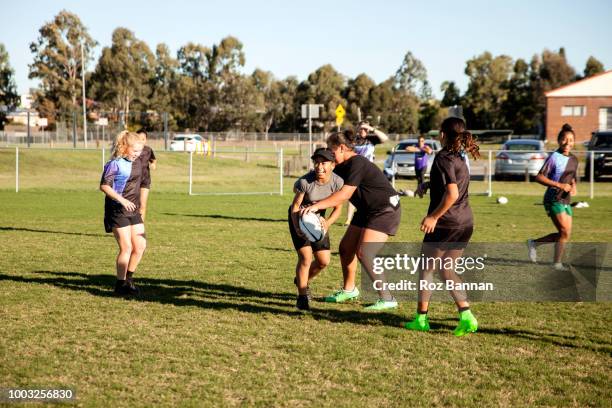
[(310, 224), (502, 200)]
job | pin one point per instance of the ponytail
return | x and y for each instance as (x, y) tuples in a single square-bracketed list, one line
[(457, 138), (124, 140)]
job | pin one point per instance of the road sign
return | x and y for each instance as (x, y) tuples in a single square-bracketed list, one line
[(340, 112)]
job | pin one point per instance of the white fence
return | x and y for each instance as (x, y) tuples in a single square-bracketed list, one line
[(262, 171)]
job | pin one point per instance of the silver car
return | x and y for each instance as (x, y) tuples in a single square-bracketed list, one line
[(518, 157), (400, 163)]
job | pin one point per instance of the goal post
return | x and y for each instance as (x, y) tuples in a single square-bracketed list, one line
[(243, 172)]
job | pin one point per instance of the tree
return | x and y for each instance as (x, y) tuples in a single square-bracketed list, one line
[(164, 83), (394, 110), (9, 99), (124, 73), (357, 95), (57, 62), (548, 71), (593, 67), (411, 76), (452, 95), (486, 91), (518, 109), (324, 86)]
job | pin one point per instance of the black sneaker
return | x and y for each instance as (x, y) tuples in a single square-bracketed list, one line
[(126, 290), (307, 289), (302, 302)]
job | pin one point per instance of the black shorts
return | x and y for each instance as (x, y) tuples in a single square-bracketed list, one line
[(119, 220), (298, 242), (454, 238), (386, 220)]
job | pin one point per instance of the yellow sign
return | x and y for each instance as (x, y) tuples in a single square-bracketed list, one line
[(340, 112)]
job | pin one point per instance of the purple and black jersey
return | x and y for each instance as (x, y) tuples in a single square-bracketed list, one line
[(562, 169), (125, 178), (420, 159)]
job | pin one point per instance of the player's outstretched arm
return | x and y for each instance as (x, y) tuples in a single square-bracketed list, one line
[(333, 217), (336, 199)]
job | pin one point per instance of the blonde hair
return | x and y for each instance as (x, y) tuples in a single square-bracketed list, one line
[(123, 141)]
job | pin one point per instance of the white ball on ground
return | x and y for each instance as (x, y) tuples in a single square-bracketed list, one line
[(502, 200), (311, 226), (409, 193)]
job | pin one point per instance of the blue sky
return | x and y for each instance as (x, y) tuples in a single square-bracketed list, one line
[(295, 38)]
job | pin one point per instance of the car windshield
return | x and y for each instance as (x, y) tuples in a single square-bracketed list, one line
[(603, 140), (521, 146)]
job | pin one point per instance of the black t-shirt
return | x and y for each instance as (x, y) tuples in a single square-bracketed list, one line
[(374, 192), (451, 168)]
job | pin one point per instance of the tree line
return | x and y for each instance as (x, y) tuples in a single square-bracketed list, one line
[(203, 87)]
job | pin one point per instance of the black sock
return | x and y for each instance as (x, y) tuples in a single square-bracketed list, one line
[(463, 309), (120, 283), (421, 311), (129, 276)]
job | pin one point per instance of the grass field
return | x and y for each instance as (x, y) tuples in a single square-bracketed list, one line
[(216, 324)]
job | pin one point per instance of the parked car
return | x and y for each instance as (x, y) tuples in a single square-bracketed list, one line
[(400, 163), (602, 164), (186, 142), (520, 156)]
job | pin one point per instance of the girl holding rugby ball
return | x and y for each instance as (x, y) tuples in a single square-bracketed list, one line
[(449, 222), (309, 189), (377, 217), (121, 180)]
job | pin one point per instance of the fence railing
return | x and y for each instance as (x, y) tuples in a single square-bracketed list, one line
[(73, 168)]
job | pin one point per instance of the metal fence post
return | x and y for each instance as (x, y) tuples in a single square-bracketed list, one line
[(490, 187), (190, 172), (74, 130), (17, 169), (591, 174), (29, 130), (165, 130), (281, 166)]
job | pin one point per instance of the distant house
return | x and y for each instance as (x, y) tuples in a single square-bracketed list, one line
[(586, 105)]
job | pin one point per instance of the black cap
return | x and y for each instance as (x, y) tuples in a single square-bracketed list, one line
[(324, 152)]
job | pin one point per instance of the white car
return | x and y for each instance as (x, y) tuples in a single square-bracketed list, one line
[(186, 142)]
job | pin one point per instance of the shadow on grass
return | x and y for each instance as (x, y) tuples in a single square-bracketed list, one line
[(228, 297), (562, 340), (205, 295), (228, 217), (85, 234)]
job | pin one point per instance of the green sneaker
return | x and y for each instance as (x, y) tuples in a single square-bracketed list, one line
[(382, 304), (342, 295), (467, 324), (419, 323)]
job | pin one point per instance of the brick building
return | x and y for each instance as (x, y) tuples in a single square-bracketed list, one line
[(586, 105)]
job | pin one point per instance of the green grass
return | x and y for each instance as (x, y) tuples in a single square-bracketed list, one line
[(216, 324)]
